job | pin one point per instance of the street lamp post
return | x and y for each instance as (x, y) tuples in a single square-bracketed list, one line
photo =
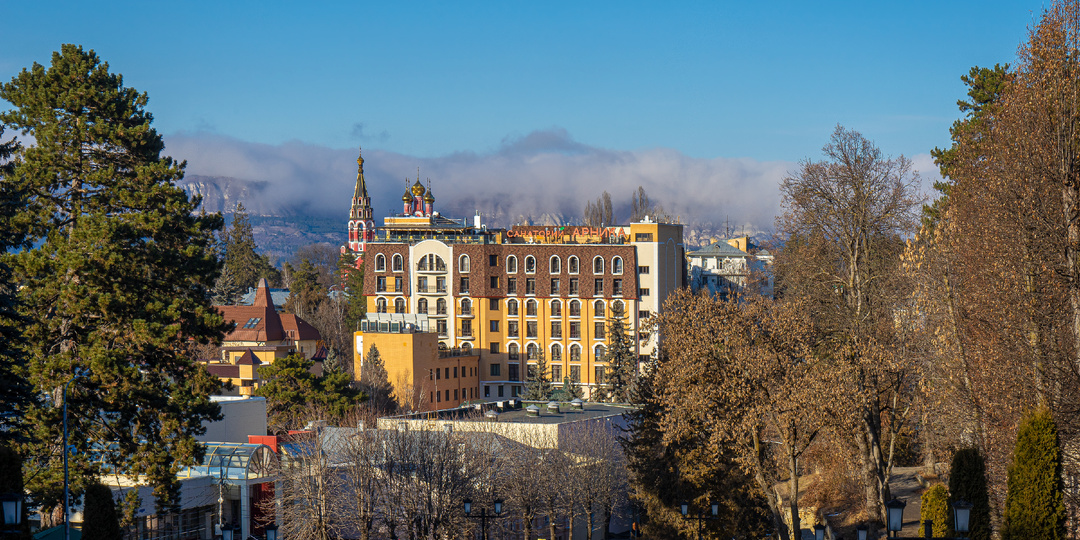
[(483, 516), (10, 512), (714, 509), (79, 372), (895, 517)]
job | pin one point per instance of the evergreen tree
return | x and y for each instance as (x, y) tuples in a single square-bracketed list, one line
[(538, 384), (571, 390), (305, 293), (11, 481), (620, 358), (100, 521), (292, 391), (935, 508), (113, 276), (240, 256), (226, 290), (15, 392), (376, 382), (967, 482), (1034, 506), (353, 280)]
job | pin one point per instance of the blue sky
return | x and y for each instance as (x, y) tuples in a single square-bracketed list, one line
[(764, 81)]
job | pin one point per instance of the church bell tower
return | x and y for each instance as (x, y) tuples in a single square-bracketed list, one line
[(361, 225)]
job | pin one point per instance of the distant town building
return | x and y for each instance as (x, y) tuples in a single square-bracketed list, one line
[(730, 266)]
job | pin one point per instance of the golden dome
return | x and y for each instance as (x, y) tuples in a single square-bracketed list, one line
[(429, 198), (418, 188), (406, 197)]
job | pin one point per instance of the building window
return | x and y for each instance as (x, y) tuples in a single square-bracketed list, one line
[(466, 306), (494, 347), (440, 306), (530, 286), (440, 327), (421, 306), (399, 305), (494, 282), (512, 372), (598, 265), (512, 308), (464, 288), (643, 314), (618, 307), (556, 329), (455, 394), (554, 286), (556, 354), (532, 352), (616, 265), (511, 264), (512, 351), (397, 285), (556, 308), (380, 284), (530, 264), (575, 308), (643, 269), (530, 372), (487, 391), (616, 287), (530, 308), (598, 309), (512, 329), (572, 265), (466, 328), (643, 237), (511, 286), (598, 330), (380, 305), (556, 371), (643, 292), (494, 326), (574, 289), (463, 264), (397, 265), (493, 260), (496, 370), (438, 397), (555, 264), (500, 391), (421, 284), (600, 379), (575, 372), (530, 329), (575, 330), (598, 286), (455, 372), (380, 263), (440, 284)]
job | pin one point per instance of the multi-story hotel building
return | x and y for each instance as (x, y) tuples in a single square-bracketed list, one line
[(508, 295)]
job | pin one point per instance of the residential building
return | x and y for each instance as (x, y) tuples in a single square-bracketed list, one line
[(730, 266)]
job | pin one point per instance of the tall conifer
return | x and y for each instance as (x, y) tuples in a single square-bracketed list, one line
[(1034, 505)]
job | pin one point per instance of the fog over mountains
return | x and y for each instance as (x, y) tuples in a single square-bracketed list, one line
[(299, 193)]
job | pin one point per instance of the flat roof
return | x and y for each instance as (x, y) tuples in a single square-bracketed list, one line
[(520, 415)]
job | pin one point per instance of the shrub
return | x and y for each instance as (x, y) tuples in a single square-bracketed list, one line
[(1034, 506), (935, 508), (967, 481), (99, 513)]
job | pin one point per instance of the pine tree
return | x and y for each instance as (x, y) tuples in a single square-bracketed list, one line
[(538, 384), (1034, 506), (113, 276), (100, 521), (15, 392), (292, 391), (376, 382), (967, 482), (240, 256), (571, 390), (353, 280), (620, 358)]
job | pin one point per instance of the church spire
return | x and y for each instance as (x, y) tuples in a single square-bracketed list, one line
[(361, 185)]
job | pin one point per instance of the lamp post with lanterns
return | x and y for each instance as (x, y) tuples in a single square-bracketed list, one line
[(714, 512), (894, 521), (11, 507), (483, 516)]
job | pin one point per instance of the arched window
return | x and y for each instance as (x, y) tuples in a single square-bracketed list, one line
[(575, 308), (556, 308), (440, 306), (530, 308), (511, 264), (556, 353), (380, 263), (598, 309), (572, 265), (466, 347), (530, 264), (616, 265), (399, 305), (421, 306), (463, 264), (618, 307), (575, 353), (532, 352), (398, 265), (598, 353), (380, 305), (512, 308), (598, 265), (512, 351), (555, 264), (431, 263), (466, 306)]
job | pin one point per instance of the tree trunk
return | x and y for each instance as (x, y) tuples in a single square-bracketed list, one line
[(771, 497), (793, 495)]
